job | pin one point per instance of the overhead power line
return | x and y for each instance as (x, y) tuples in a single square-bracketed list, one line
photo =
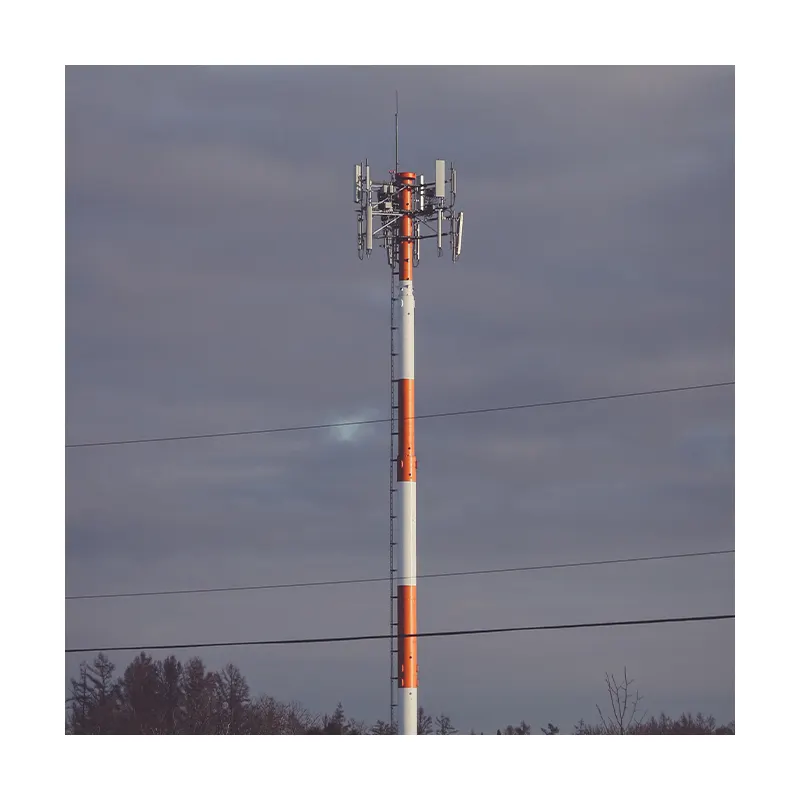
[(379, 580), (322, 426), (431, 635)]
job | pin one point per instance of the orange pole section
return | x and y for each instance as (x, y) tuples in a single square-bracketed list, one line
[(408, 675), (406, 225), (407, 455), (407, 460)]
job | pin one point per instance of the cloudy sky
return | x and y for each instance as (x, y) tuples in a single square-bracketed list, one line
[(212, 284)]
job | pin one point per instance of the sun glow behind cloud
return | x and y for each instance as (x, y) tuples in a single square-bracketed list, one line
[(350, 433)]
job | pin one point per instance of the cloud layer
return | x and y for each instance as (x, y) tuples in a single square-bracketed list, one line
[(212, 285)]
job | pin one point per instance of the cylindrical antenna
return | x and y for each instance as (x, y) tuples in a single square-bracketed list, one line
[(357, 184), (396, 129), (369, 228), (421, 202), (439, 231)]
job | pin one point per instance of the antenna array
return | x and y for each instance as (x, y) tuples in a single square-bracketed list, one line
[(432, 212)]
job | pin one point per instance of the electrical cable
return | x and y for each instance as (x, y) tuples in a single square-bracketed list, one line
[(377, 580), (431, 635), (322, 426)]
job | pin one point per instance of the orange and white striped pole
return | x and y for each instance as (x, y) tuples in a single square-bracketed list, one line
[(394, 215), (407, 666)]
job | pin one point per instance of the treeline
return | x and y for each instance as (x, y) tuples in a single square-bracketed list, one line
[(168, 697)]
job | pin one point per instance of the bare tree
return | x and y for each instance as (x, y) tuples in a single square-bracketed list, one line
[(266, 716), (444, 727), (270, 717), (231, 701), (356, 727), (299, 719), (523, 729), (170, 672), (197, 690), (686, 724), (424, 723), (623, 718)]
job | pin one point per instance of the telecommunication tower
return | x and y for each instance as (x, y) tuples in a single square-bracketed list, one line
[(397, 213)]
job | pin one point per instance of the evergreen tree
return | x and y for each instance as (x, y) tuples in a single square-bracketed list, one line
[(140, 697), (550, 730), (95, 699), (105, 694), (81, 702), (381, 728), (337, 724)]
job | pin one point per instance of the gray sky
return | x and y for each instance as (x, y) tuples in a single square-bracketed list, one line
[(212, 284)]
